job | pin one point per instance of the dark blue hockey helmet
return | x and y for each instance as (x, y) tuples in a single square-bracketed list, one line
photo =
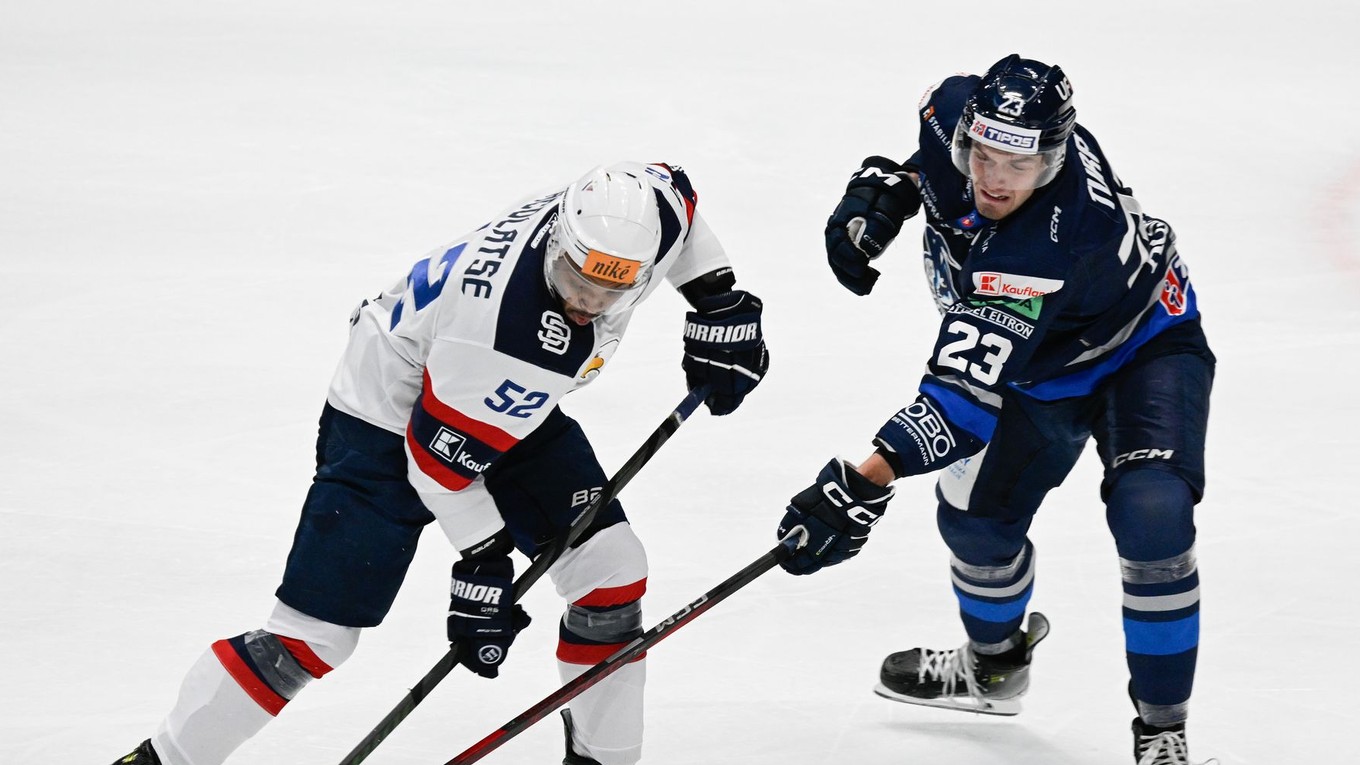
[(1020, 106)]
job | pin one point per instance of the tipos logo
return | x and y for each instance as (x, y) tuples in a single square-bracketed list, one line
[(1003, 136)]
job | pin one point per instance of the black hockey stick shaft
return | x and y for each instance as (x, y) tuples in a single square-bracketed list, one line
[(536, 569), (632, 650)]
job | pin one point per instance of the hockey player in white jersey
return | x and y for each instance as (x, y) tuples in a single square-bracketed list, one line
[(444, 408)]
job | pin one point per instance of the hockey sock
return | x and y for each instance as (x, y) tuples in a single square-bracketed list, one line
[(1150, 514), (993, 599)]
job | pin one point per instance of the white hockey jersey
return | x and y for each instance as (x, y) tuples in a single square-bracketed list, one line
[(469, 352)]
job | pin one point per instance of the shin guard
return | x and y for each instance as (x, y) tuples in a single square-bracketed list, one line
[(239, 685), (604, 579), (1151, 516)]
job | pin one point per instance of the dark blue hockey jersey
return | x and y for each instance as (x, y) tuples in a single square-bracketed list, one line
[(1048, 301)]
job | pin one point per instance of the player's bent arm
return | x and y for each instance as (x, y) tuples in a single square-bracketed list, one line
[(711, 284), (929, 435), (724, 344), (844, 503), (700, 255), (876, 469)]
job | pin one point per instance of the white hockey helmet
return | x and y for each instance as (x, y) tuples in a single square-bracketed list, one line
[(605, 243)]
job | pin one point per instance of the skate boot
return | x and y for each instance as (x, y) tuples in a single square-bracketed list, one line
[(142, 755), (1153, 745), (572, 757), (962, 679)]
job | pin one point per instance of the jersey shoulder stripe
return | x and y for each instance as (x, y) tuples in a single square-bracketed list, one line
[(680, 180), (530, 326)]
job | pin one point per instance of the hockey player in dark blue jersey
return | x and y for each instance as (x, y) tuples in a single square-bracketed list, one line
[(1067, 314)]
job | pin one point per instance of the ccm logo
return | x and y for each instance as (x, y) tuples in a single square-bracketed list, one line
[(1143, 454), (841, 499)]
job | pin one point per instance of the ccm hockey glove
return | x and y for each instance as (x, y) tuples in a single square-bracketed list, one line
[(482, 620), (724, 348), (837, 510), (880, 197)]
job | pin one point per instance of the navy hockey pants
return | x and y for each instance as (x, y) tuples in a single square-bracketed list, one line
[(1148, 420), (361, 519)]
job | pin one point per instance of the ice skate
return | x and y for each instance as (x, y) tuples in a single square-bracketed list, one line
[(142, 755), (1161, 746), (962, 679), (572, 757)]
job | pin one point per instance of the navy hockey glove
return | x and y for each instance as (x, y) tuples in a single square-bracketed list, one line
[(483, 621), (724, 348), (880, 197), (837, 510)]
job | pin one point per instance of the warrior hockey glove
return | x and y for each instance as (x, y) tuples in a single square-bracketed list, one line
[(880, 197), (724, 348), (837, 511), (483, 621)]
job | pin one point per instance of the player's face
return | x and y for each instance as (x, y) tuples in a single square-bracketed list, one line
[(583, 298), (1002, 181)]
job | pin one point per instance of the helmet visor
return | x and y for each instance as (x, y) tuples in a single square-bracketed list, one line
[(604, 284), (1004, 156)]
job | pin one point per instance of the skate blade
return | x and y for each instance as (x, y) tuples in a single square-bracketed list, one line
[(999, 707)]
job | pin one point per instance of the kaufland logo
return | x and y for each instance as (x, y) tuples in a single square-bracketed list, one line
[(1003, 136), (1012, 285), (448, 444)]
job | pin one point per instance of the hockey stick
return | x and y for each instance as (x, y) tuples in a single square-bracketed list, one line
[(787, 546), (537, 568)]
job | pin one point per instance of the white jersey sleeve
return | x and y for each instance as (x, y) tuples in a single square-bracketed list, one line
[(702, 254)]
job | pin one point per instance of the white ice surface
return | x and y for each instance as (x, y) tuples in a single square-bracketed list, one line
[(194, 195)]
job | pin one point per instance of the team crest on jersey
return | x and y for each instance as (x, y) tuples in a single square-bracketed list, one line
[(1173, 294), (555, 335)]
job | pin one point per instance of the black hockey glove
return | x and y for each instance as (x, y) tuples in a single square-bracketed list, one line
[(724, 348), (880, 197), (837, 510), (483, 621)]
